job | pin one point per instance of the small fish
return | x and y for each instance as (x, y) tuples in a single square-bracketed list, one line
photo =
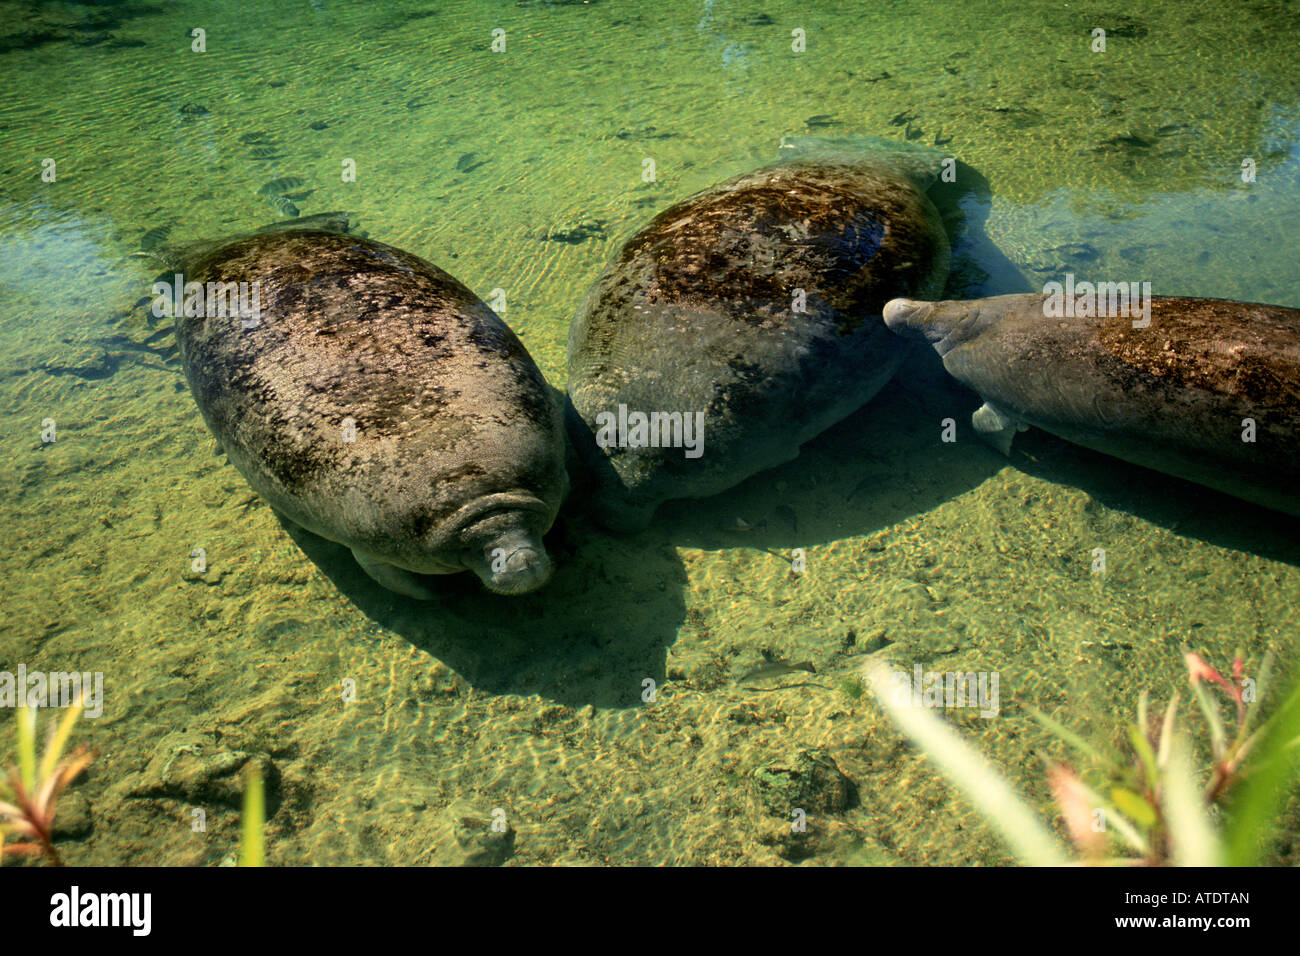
[(467, 164), (776, 669), (329, 221), (278, 187), (821, 121), (587, 229), (154, 237), (283, 206)]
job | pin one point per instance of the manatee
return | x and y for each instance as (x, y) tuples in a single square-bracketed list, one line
[(1178, 395), (377, 402), (748, 316)]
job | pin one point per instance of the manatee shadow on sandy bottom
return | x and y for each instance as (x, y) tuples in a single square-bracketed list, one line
[(882, 464), (592, 635), (1183, 507)]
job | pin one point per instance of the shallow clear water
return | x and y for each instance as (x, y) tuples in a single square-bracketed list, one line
[(521, 170)]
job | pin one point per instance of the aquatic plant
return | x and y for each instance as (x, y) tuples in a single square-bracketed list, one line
[(29, 794), (1148, 807), (252, 849), (852, 687)]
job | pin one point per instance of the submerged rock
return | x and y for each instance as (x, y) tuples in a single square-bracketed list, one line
[(470, 836), (194, 766), (809, 781)]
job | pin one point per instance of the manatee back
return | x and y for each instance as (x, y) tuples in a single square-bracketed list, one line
[(756, 302), (1208, 391), (375, 395)]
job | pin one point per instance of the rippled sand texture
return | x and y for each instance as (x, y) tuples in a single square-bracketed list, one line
[(521, 171)]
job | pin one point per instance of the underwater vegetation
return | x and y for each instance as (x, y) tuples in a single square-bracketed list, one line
[(1146, 804), (30, 791), (252, 843)]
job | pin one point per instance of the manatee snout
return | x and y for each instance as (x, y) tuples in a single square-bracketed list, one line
[(515, 564), (945, 325), (505, 549), (906, 316)]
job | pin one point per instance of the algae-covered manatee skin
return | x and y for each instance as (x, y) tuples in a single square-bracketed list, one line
[(377, 402), (756, 304)]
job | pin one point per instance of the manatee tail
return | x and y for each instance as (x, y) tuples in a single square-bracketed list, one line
[(922, 163)]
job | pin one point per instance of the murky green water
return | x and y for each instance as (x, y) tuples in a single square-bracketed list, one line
[(521, 170)]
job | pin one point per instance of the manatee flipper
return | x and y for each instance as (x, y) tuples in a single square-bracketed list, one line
[(996, 427), (394, 578)]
